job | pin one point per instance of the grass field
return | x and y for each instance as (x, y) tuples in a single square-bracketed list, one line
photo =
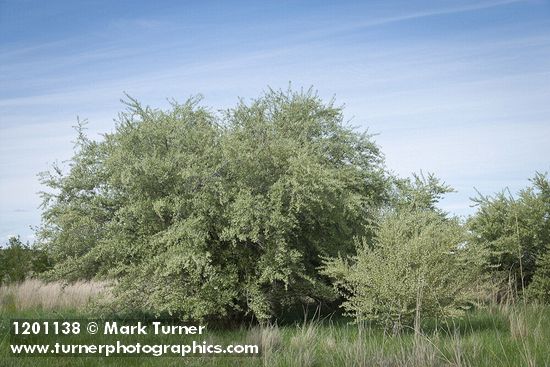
[(516, 335)]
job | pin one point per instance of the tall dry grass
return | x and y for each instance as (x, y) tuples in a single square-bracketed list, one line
[(504, 336), (269, 339), (35, 294)]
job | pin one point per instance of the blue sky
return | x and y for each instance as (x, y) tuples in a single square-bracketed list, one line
[(458, 88)]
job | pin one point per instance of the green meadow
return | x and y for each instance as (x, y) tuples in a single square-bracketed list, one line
[(506, 335)]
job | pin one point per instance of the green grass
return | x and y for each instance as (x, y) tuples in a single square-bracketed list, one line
[(505, 336)]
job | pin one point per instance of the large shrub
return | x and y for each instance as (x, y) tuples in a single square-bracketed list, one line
[(209, 216), (417, 265), (515, 230)]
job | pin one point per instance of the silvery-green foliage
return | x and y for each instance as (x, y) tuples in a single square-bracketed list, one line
[(539, 289), (417, 265), (516, 230), (419, 192), (214, 216)]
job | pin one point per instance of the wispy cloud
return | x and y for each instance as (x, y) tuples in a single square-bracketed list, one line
[(433, 12)]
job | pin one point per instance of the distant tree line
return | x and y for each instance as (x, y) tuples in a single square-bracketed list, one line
[(276, 204), (19, 261)]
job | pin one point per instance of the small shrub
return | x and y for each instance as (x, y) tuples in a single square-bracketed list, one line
[(418, 265)]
